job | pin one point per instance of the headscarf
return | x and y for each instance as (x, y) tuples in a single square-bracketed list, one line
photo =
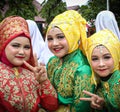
[(73, 25), (36, 38), (10, 28), (106, 20), (110, 41), (40, 47)]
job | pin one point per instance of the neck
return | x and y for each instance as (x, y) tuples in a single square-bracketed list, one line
[(106, 78)]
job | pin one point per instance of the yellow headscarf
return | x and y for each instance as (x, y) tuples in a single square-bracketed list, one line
[(110, 41), (73, 25)]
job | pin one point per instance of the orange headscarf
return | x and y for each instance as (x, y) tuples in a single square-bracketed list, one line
[(10, 28)]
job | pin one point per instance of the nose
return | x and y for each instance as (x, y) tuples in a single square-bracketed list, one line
[(21, 51), (55, 42), (101, 63)]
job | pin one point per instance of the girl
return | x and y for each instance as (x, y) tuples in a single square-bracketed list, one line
[(103, 54), (24, 86), (68, 70)]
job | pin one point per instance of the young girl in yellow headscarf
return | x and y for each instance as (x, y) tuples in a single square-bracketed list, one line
[(103, 53), (68, 70)]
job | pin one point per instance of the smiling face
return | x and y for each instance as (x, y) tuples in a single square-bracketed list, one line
[(57, 42), (18, 50), (102, 61)]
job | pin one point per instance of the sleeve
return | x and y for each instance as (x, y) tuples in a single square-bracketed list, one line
[(112, 94), (49, 99), (82, 82)]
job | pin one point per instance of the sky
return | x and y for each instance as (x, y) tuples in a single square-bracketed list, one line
[(71, 2)]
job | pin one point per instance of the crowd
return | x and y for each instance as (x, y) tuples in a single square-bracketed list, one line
[(68, 72)]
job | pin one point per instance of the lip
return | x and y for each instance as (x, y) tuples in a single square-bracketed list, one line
[(57, 49), (102, 70), (21, 57)]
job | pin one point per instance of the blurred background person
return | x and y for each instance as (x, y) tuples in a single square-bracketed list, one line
[(106, 20), (40, 47)]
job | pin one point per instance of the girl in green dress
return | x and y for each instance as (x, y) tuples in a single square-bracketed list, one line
[(68, 70), (103, 54)]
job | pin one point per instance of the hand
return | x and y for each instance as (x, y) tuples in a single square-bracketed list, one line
[(96, 101), (39, 70)]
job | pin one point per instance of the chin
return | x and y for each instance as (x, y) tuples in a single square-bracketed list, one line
[(18, 64)]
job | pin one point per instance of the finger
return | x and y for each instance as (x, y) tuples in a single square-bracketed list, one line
[(41, 69), (95, 105), (89, 93), (100, 101), (85, 99), (29, 66), (42, 64), (35, 59)]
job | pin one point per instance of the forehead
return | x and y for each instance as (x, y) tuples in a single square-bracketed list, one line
[(100, 50), (54, 30), (20, 39)]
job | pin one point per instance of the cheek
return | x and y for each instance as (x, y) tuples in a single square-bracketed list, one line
[(111, 63), (93, 65), (65, 43), (9, 50), (28, 52), (49, 45)]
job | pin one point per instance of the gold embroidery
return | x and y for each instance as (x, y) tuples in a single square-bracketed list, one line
[(22, 90), (106, 85)]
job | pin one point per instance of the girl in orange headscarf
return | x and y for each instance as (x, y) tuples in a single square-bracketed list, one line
[(24, 86)]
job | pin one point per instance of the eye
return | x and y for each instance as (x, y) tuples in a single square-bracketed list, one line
[(49, 38), (60, 37), (107, 57), (15, 45), (94, 58), (27, 46)]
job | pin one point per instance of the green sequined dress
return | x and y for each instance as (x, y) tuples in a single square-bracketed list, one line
[(70, 78), (110, 90)]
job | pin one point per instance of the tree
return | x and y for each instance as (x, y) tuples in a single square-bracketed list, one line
[(51, 8), (90, 11), (23, 8)]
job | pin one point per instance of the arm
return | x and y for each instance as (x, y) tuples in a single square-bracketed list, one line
[(49, 99), (82, 81), (47, 93)]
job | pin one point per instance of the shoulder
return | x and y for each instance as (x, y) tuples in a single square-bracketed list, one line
[(115, 77), (53, 59), (84, 70)]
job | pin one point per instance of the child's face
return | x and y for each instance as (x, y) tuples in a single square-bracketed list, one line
[(102, 61), (18, 50), (57, 42)]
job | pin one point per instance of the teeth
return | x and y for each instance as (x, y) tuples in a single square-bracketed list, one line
[(57, 49)]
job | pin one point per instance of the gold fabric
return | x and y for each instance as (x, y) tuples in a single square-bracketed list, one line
[(10, 28), (63, 108), (73, 25), (110, 41)]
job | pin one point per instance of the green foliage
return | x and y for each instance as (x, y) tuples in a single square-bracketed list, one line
[(23, 8), (115, 8), (90, 11), (51, 8)]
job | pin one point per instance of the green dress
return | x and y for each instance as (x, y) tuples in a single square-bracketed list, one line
[(70, 78), (110, 90)]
